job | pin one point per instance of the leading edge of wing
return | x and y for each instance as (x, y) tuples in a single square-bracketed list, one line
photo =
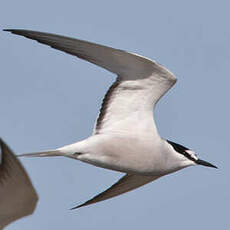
[(128, 65), (140, 84), (127, 183)]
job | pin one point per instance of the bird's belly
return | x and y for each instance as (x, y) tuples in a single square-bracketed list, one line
[(136, 156)]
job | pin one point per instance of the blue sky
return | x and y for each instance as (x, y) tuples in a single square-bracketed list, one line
[(49, 99)]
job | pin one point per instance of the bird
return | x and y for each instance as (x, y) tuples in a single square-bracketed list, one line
[(125, 137), (18, 197)]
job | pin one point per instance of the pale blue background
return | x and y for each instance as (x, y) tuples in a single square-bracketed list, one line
[(49, 99)]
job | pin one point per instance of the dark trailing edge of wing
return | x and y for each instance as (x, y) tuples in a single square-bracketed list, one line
[(104, 105)]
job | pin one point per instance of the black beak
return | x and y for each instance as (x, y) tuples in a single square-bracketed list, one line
[(205, 163)]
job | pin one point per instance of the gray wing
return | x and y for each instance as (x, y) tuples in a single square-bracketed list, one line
[(17, 195), (140, 84), (125, 184)]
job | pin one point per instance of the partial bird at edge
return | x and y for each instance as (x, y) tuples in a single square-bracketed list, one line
[(18, 197)]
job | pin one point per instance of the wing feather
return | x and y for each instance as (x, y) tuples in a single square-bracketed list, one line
[(140, 84), (125, 184), (18, 197)]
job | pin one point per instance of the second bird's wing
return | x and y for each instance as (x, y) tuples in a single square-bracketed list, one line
[(18, 197), (140, 84)]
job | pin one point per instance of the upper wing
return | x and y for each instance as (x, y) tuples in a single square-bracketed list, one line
[(140, 84), (17, 195), (125, 184)]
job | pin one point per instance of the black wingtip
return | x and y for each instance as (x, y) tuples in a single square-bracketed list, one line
[(1, 143), (14, 31), (78, 206), (83, 204), (8, 30), (75, 207)]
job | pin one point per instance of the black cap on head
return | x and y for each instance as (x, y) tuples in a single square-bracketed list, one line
[(183, 150)]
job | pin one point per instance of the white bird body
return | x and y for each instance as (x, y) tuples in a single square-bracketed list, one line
[(125, 136), (130, 154)]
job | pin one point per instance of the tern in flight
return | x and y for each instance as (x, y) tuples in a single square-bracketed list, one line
[(17, 195), (125, 137)]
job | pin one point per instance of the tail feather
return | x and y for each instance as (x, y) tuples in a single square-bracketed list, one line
[(50, 153)]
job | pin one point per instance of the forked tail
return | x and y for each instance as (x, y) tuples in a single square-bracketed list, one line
[(50, 153)]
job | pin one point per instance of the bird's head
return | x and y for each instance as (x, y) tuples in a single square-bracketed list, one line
[(190, 155)]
